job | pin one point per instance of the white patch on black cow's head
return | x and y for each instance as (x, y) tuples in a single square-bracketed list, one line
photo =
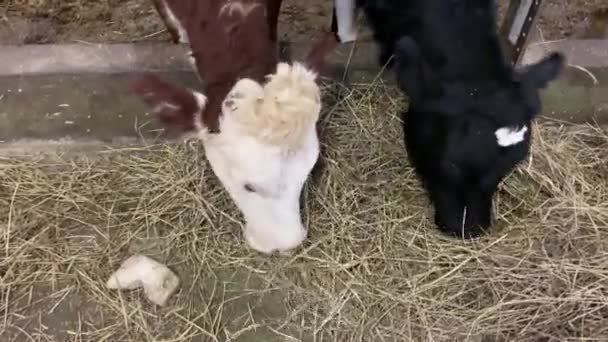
[(508, 136)]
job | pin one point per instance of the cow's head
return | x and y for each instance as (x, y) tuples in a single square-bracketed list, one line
[(465, 136), (264, 150)]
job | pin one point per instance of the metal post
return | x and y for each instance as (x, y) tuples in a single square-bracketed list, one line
[(514, 32)]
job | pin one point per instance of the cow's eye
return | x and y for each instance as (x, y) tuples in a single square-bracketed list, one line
[(249, 188)]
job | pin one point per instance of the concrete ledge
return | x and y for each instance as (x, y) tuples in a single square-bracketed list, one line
[(117, 58), (25, 60), (590, 53), (78, 106), (581, 92), (78, 91), (64, 146), (91, 58)]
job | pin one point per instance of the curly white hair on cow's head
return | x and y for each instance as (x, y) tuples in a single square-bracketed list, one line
[(280, 112)]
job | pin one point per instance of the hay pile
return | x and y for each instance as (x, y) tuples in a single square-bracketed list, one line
[(374, 267), (69, 21)]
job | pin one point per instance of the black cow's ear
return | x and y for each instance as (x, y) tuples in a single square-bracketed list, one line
[(414, 75), (539, 74)]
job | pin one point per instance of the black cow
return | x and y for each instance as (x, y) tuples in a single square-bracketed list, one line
[(468, 123)]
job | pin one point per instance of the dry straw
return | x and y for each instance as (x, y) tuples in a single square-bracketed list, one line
[(373, 269)]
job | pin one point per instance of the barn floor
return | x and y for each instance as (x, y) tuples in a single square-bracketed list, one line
[(373, 269), (55, 21)]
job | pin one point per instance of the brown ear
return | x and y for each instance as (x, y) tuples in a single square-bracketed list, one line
[(321, 49), (176, 106)]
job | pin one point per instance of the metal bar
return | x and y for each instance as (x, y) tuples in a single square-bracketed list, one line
[(334, 21), (514, 32)]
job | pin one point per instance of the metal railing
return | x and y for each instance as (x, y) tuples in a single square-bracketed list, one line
[(516, 26)]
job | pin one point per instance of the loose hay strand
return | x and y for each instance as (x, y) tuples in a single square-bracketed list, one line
[(373, 269)]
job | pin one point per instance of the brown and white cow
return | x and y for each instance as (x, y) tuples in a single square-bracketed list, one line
[(256, 117)]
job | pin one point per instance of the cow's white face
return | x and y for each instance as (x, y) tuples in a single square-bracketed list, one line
[(266, 147), (265, 182), (265, 151)]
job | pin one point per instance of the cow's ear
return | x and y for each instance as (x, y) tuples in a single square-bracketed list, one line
[(176, 106), (539, 74), (414, 75)]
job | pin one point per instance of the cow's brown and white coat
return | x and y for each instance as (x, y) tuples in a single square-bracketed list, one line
[(256, 117)]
